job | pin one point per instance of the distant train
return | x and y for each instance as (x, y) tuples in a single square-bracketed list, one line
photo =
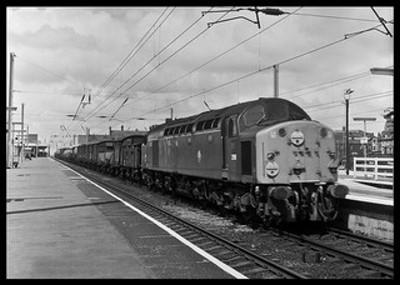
[(264, 158)]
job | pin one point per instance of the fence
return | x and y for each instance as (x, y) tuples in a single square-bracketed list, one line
[(376, 168)]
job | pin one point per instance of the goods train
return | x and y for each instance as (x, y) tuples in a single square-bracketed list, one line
[(264, 158)]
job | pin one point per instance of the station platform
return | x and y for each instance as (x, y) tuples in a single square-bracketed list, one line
[(59, 225), (366, 193)]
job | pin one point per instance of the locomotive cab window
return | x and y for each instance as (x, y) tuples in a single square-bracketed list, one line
[(277, 111), (252, 116)]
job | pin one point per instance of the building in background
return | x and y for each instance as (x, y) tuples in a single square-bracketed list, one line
[(377, 146), (355, 145), (386, 139)]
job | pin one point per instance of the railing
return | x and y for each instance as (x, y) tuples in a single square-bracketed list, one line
[(373, 168)]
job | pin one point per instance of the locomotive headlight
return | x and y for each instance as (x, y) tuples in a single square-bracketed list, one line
[(270, 156), (272, 169), (282, 132), (297, 138), (323, 132)]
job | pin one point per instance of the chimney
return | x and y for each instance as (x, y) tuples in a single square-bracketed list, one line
[(110, 130), (122, 128)]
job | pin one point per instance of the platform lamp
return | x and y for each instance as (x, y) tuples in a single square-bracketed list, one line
[(347, 93)]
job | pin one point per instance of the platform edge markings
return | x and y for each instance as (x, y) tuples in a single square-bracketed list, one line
[(362, 198), (206, 255)]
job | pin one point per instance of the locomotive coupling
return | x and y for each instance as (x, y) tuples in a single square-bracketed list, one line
[(279, 192), (338, 190)]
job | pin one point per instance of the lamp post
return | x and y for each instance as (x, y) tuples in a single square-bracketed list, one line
[(347, 93)]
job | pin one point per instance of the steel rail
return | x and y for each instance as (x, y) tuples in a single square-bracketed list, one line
[(276, 268), (362, 261), (369, 241)]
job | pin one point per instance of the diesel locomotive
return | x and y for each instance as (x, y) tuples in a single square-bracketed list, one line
[(264, 158)]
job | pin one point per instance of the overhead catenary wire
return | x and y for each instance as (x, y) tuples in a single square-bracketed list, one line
[(128, 57), (257, 71), (354, 100), (148, 62), (137, 47), (221, 54), (169, 57), (336, 17), (320, 86), (357, 113)]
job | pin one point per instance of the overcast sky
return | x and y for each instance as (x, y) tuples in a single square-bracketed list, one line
[(60, 52)]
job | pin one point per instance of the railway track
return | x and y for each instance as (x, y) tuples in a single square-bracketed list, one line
[(239, 258), (366, 257)]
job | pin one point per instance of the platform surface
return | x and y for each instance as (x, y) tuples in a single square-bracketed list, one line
[(61, 226), (367, 193)]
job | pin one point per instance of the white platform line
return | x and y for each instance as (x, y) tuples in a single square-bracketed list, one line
[(369, 199), (206, 255)]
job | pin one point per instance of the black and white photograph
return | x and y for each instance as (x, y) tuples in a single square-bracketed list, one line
[(200, 142)]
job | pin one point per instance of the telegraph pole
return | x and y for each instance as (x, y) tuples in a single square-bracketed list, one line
[(276, 81), (10, 141), (22, 133), (347, 93)]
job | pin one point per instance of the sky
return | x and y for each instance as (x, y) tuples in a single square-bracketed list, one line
[(158, 58)]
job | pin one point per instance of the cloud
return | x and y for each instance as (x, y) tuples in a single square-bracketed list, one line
[(55, 38), (80, 47)]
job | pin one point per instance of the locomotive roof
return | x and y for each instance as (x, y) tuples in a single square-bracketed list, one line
[(134, 136), (226, 111)]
